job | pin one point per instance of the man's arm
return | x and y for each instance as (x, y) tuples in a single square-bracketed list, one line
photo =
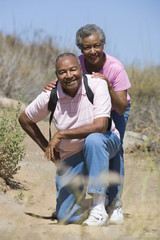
[(33, 131), (99, 125)]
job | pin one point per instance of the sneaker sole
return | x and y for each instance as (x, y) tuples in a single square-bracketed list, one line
[(116, 222), (94, 225), (85, 224)]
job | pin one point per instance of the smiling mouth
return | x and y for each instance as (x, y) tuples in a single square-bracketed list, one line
[(69, 83), (93, 58)]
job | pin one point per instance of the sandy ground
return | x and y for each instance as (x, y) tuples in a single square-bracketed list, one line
[(25, 212)]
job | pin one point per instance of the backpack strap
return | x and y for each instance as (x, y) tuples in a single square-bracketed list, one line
[(109, 124), (89, 92), (51, 106), (53, 99)]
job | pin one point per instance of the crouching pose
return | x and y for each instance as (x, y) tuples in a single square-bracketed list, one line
[(84, 144)]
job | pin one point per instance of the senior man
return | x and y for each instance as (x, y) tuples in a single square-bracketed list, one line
[(82, 140)]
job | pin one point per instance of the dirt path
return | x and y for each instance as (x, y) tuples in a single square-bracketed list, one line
[(25, 212)]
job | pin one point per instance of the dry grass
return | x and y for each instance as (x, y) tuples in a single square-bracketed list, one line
[(26, 66), (144, 94), (145, 105)]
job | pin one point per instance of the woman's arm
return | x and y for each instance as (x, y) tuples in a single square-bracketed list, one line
[(118, 98)]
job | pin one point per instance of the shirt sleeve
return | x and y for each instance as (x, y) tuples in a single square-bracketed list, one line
[(102, 100), (38, 109), (121, 81)]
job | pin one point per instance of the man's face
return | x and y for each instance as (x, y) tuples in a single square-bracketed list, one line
[(69, 73)]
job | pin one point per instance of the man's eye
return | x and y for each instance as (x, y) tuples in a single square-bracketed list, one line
[(73, 69), (62, 72)]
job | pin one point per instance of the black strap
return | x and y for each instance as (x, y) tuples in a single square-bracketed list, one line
[(53, 99), (50, 120), (109, 124), (89, 92), (51, 106)]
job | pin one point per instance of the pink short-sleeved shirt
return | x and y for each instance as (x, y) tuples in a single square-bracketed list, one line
[(115, 73), (72, 112)]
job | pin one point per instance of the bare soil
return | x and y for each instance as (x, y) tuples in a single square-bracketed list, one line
[(25, 212)]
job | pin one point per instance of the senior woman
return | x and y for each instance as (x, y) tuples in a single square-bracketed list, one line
[(91, 39)]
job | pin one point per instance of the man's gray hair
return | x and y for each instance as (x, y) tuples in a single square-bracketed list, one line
[(86, 31), (67, 54)]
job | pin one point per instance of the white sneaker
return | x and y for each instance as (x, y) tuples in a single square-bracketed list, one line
[(117, 216), (96, 218)]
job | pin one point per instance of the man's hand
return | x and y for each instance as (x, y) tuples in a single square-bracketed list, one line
[(52, 149), (49, 86)]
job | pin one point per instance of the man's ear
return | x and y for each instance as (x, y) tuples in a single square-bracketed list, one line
[(56, 73), (80, 67), (81, 50), (81, 71)]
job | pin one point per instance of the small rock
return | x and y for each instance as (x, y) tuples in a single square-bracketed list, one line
[(133, 138)]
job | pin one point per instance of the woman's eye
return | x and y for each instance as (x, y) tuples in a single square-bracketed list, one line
[(97, 46), (86, 48)]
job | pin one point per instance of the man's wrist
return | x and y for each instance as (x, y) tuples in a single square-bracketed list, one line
[(59, 135)]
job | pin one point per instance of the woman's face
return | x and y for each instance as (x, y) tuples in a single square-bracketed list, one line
[(92, 48)]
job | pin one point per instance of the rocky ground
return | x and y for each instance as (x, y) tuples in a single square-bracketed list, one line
[(25, 211)]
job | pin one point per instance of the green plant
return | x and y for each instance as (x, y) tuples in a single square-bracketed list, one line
[(11, 149), (20, 195)]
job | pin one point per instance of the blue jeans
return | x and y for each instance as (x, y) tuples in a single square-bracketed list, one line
[(91, 163), (117, 163)]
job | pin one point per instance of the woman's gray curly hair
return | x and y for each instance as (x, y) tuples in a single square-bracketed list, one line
[(86, 31)]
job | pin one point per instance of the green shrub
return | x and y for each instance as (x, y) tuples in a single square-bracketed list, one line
[(11, 149)]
